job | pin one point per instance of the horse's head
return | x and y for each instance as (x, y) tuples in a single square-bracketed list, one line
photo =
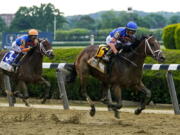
[(152, 48), (46, 48)]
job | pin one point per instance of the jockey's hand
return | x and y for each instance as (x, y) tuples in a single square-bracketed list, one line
[(124, 46), (128, 39), (30, 47), (116, 54)]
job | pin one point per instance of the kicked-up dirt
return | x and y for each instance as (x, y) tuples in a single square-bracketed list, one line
[(31, 121)]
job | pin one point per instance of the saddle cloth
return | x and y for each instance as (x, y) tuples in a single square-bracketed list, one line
[(7, 61), (101, 51)]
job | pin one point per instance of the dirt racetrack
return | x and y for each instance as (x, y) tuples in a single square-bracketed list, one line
[(33, 121)]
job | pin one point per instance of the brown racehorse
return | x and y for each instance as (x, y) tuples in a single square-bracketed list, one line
[(30, 70), (123, 73)]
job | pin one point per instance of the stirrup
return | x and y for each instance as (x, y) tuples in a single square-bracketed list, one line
[(105, 58), (15, 64)]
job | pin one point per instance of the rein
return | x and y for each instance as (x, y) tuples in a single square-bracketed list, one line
[(147, 45)]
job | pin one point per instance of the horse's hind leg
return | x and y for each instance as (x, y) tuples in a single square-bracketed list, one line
[(47, 89), (145, 99), (83, 81)]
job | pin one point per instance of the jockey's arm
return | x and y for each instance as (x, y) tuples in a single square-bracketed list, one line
[(23, 48), (112, 45)]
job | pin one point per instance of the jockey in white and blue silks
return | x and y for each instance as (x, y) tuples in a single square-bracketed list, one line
[(121, 37)]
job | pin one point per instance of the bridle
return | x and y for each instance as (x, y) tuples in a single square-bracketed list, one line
[(43, 50), (147, 45)]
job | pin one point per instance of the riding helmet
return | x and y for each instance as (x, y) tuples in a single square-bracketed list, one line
[(131, 26), (33, 32)]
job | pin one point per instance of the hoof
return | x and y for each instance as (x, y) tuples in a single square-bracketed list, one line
[(43, 101), (92, 112), (104, 100), (116, 114), (13, 100), (27, 104), (137, 111)]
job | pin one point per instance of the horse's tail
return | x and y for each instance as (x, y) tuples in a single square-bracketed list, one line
[(71, 77)]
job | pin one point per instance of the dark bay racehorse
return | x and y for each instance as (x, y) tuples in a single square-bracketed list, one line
[(123, 74), (30, 70)]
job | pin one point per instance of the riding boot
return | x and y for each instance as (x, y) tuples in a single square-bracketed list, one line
[(106, 57), (16, 62)]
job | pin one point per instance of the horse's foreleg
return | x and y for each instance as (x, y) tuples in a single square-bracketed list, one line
[(145, 99), (118, 98), (47, 89), (105, 99), (22, 86)]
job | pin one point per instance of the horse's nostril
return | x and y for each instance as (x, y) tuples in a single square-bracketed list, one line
[(52, 55), (162, 59)]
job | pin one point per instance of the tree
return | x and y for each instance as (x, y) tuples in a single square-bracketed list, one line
[(174, 19), (2, 25), (85, 22), (154, 21), (109, 19), (125, 17), (41, 18), (22, 20)]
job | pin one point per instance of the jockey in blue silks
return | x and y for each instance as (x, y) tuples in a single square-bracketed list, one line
[(120, 38), (23, 44)]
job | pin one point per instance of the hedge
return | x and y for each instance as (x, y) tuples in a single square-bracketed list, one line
[(99, 35), (168, 36), (155, 80), (73, 35), (177, 37)]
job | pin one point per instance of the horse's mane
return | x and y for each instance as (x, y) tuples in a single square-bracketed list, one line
[(138, 40), (31, 51)]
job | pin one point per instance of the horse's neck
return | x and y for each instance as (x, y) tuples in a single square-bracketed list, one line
[(138, 55), (34, 60)]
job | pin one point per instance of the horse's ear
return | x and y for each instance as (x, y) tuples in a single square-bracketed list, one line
[(39, 39), (144, 36), (151, 34)]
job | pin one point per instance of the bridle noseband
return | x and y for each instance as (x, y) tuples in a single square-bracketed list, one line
[(148, 45), (43, 50)]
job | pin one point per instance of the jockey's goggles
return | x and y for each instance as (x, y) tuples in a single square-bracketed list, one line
[(131, 32)]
